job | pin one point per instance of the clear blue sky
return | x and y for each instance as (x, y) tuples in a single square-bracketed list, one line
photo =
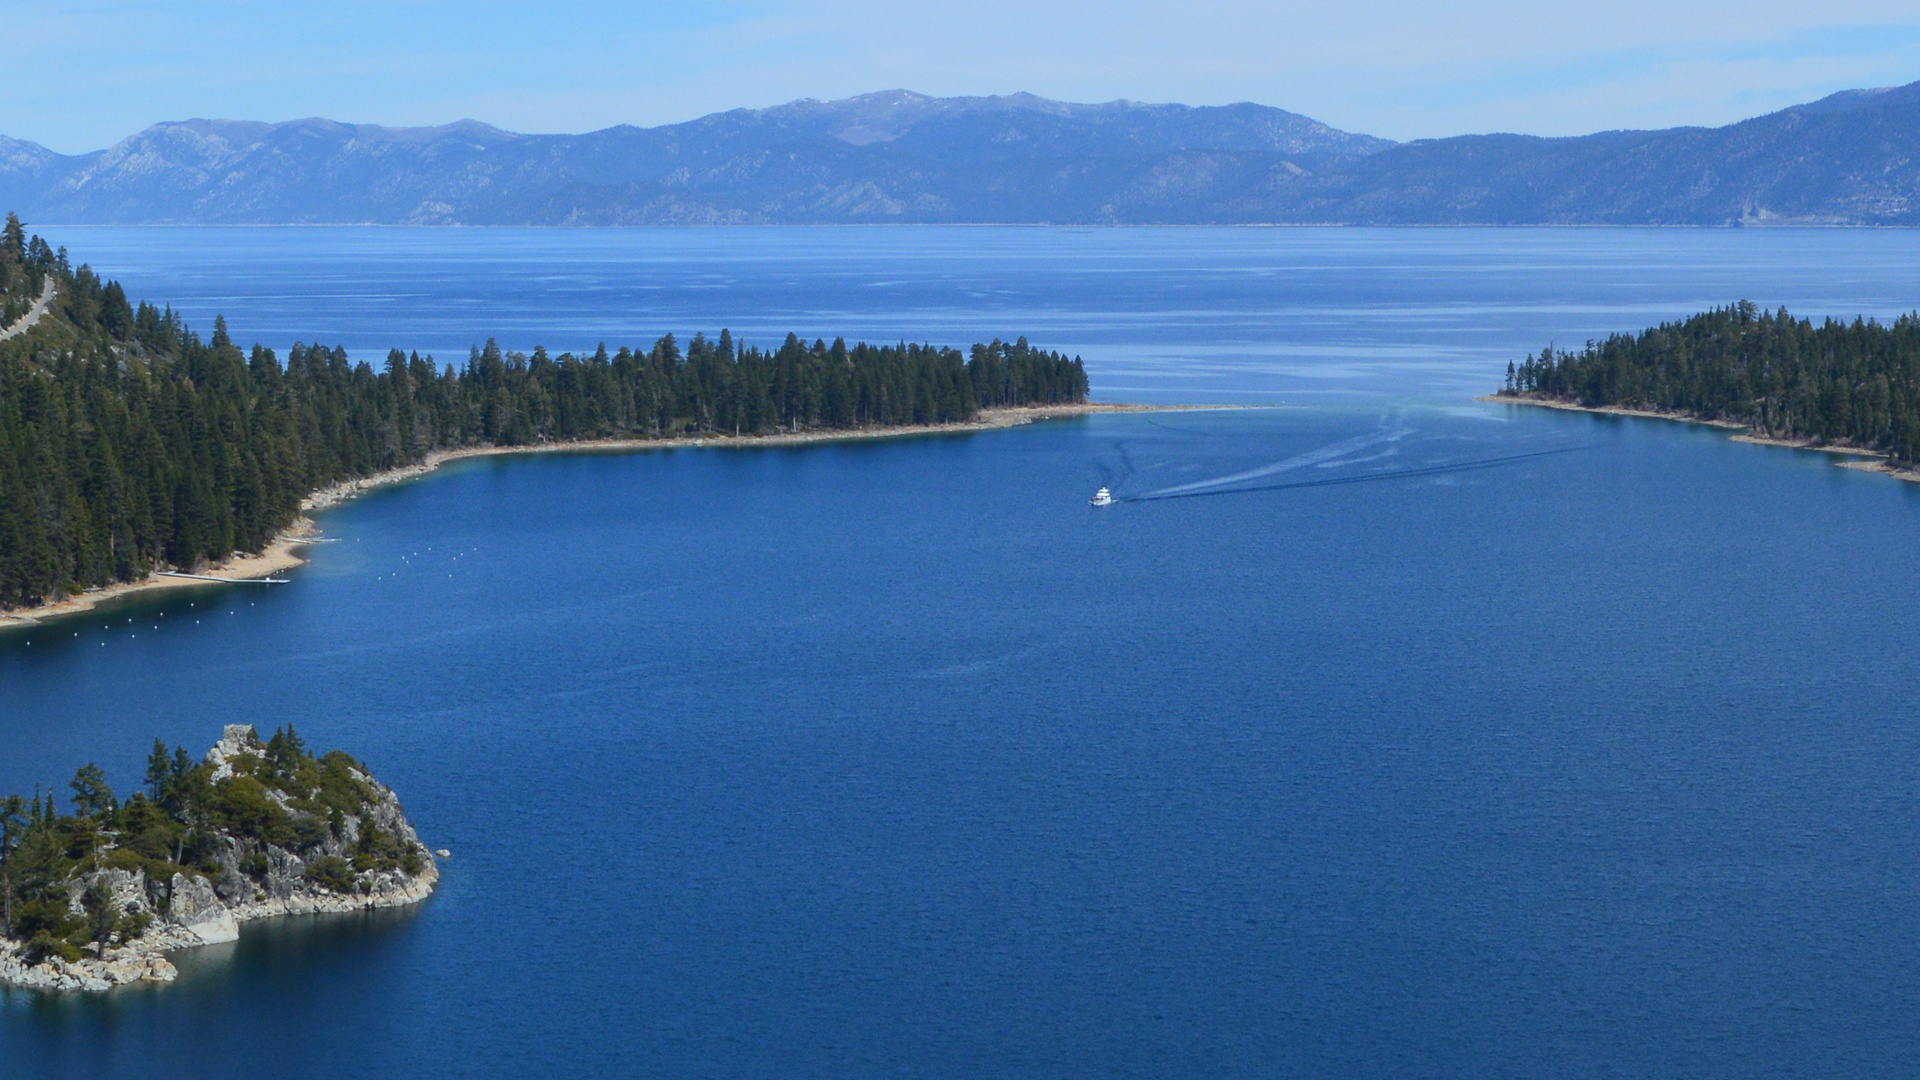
[(81, 74)]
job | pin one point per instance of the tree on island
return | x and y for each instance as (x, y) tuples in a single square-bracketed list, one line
[(14, 824), (91, 795), (218, 819)]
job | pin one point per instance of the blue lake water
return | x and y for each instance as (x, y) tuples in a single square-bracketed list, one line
[(895, 759)]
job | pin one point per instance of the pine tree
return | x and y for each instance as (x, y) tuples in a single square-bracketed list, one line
[(91, 795), (14, 824), (159, 771)]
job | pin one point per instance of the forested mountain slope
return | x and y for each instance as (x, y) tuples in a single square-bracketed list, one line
[(894, 156), (903, 157), (1847, 159), (128, 443)]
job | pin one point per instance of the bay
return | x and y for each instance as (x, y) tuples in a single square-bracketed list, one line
[(1240, 315), (1533, 744)]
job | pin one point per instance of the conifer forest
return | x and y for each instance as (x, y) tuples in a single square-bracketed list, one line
[(128, 443), (1843, 383)]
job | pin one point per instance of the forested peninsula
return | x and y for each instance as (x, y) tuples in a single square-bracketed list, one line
[(95, 898), (128, 444), (1840, 384)]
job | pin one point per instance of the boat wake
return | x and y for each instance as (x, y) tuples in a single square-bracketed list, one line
[(1329, 456), (1113, 478), (1195, 491)]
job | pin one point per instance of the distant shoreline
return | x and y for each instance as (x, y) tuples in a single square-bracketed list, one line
[(287, 550), (1865, 460)]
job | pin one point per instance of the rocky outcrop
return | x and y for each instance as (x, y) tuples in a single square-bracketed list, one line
[(132, 963), (238, 880), (197, 909)]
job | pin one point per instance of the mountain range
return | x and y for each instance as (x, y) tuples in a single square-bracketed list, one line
[(900, 157)]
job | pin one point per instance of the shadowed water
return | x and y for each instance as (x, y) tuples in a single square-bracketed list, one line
[(894, 758)]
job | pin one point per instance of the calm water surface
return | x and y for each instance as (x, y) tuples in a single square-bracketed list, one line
[(894, 759), (1248, 315)]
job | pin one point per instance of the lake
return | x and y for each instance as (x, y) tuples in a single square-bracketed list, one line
[(1379, 733)]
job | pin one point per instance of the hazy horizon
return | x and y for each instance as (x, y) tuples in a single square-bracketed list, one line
[(88, 74), (872, 93)]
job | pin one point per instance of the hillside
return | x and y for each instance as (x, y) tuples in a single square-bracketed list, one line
[(881, 157), (130, 445), (900, 157), (1844, 160)]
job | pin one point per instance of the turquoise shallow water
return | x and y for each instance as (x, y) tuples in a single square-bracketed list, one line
[(894, 758)]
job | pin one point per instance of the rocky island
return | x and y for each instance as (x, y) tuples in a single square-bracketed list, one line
[(96, 898)]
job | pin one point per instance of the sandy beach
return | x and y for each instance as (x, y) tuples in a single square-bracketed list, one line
[(286, 552), (1809, 444), (283, 554), (1610, 410), (989, 420), (1863, 460), (1880, 465)]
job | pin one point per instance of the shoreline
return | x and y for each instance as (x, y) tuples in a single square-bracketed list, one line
[(1613, 410), (285, 552), (1874, 461), (988, 420), (207, 903), (146, 958), (282, 554)]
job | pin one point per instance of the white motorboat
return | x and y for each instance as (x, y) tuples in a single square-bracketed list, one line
[(1103, 497)]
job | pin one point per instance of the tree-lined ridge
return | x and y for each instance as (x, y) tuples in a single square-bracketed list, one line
[(1836, 383), (128, 444)]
